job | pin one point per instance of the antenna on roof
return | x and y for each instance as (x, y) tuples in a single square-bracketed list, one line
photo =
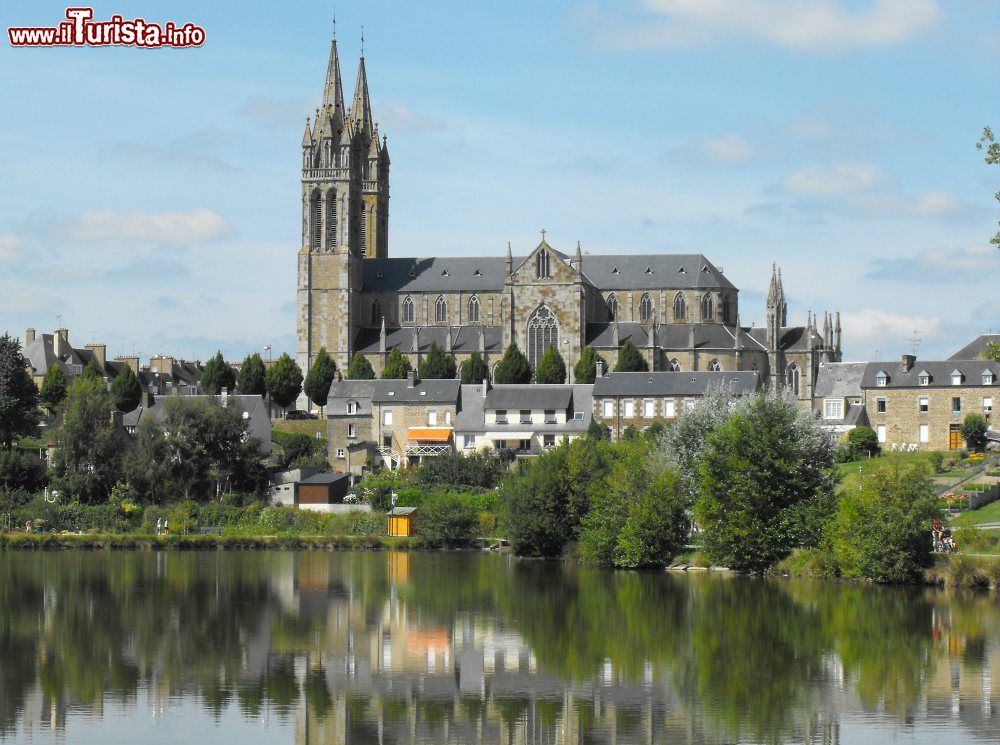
[(914, 342), (59, 321)]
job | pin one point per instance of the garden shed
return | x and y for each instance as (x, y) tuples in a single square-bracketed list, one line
[(401, 521)]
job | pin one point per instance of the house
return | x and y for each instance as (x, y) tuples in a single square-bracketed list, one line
[(839, 399), (976, 349), (350, 426)]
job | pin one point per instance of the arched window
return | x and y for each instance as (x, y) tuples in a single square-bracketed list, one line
[(440, 310), (473, 310), (680, 307), (726, 310), (376, 312), (675, 365), (364, 227), (542, 266), (316, 217), (331, 218), (645, 308), (612, 306), (792, 378), (543, 332), (707, 307), (715, 366), (407, 310)]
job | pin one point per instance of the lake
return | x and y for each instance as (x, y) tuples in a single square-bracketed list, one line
[(356, 647)]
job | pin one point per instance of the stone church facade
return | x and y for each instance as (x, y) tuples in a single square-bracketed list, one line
[(679, 310)]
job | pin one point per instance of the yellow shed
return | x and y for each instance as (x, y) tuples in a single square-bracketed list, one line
[(401, 521)]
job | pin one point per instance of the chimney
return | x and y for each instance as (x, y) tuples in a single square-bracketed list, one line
[(600, 369), (60, 342), (411, 379), (908, 362), (130, 360), (29, 336), (161, 364), (116, 419), (100, 354)]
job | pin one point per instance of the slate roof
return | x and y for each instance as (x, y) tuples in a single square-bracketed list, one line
[(939, 370), (463, 339), (324, 478), (529, 396), (680, 271), (976, 347), (839, 379), (793, 338), (669, 383), (669, 335), (342, 391), (472, 417), (425, 391)]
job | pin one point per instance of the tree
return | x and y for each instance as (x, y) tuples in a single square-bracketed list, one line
[(125, 390), (974, 432), (992, 351), (22, 471), (513, 367), (474, 369), (53, 387), (396, 366), (477, 470), (437, 364), (598, 431), (18, 394), (320, 378), (360, 369), (551, 367), (252, 378), (766, 486), (284, 381), (92, 372), (218, 374), (862, 442), (882, 532), (630, 359), (446, 519), (992, 158), (585, 370)]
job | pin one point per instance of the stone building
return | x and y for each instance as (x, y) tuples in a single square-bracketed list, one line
[(680, 310)]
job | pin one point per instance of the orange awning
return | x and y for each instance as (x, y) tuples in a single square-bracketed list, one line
[(429, 434)]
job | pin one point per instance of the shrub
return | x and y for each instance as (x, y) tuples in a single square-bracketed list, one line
[(446, 519), (22, 470), (974, 431), (487, 524), (974, 540), (478, 469)]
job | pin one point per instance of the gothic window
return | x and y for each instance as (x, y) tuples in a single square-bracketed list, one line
[(331, 218), (543, 332), (645, 308), (316, 218), (675, 365), (473, 310), (792, 377), (407, 310), (542, 265), (612, 307), (376, 313), (364, 226), (680, 307), (726, 310), (440, 310), (707, 307), (715, 366)]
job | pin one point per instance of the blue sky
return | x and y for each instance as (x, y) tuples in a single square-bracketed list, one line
[(150, 197)]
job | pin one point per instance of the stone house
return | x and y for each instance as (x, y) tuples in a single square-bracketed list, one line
[(838, 397)]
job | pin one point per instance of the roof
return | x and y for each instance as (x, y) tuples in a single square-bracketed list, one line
[(529, 396), (425, 391), (652, 271), (471, 417), (463, 338), (673, 383), (402, 511), (342, 391), (976, 347), (939, 370), (669, 335), (324, 478), (260, 426), (793, 338), (434, 274), (839, 379)]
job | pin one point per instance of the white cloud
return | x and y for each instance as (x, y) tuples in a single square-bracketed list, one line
[(840, 178), (397, 117), (10, 247), (801, 25), (729, 148), (195, 226), (277, 115), (931, 204), (941, 264), (871, 329)]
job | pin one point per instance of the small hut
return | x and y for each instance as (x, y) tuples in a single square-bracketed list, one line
[(401, 521)]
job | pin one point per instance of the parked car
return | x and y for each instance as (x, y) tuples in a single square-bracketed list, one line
[(299, 414)]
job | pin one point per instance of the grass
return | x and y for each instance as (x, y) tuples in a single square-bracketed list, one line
[(965, 571), (849, 472), (988, 514), (98, 541), (301, 426)]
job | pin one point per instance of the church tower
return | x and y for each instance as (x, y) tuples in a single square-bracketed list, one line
[(777, 318)]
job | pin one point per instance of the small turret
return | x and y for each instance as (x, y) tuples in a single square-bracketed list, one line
[(836, 334), (509, 262)]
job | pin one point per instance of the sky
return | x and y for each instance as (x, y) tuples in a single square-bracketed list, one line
[(149, 199)]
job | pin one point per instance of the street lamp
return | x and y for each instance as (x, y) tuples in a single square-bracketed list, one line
[(270, 414)]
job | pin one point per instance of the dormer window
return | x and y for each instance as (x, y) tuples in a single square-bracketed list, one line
[(956, 377), (477, 273), (881, 380), (352, 407), (379, 274), (444, 273), (649, 270), (614, 270), (988, 377), (924, 378), (682, 270), (413, 271)]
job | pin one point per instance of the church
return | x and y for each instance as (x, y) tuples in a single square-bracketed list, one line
[(679, 310)]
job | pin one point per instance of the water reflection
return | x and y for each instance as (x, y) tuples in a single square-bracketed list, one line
[(426, 648)]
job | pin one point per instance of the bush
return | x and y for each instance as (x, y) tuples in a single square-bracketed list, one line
[(22, 470), (974, 431), (974, 540), (446, 519), (487, 524), (478, 469)]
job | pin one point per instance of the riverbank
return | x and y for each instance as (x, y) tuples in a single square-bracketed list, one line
[(175, 542)]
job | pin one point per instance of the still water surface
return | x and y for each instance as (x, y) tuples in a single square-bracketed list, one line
[(432, 648)]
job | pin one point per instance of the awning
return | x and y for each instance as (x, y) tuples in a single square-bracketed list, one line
[(429, 434), (500, 436)]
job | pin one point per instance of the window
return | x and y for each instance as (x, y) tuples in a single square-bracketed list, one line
[(923, 403), (612, 307), (387, 441), (440, 309), (364, 227), (669, 408), (645, 308), (470, 442), (726, 309), (833, 408), (680, 307), (316, 215), (331, 218), (542, 265), (387, 417), (501, 416), (956, 405), (608, 407), (924, 433), (524, 445), (543, 332), (988, 377), (715, 366), (880, 405), (577, 416), (629, 409), (548, 441), (649, 408), (376, 313), (407, 310), (924, 378), (987, 408), (550, 416), (352, 430), (432, 418), (352, 407), (340, 453), (956, 378), (880, 433), (675, 365), (447, 418), (792, 378), (473, 309), (707, 307), (525, 416), (881, 380)]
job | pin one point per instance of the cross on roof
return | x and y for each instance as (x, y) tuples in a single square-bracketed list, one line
[(543, 234)]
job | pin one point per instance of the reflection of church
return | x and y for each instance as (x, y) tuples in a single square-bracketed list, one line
[(679, 309)]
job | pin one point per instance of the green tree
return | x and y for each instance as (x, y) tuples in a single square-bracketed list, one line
[(598, 431), (476, 470), (862, 442), (513, 367), (630, 359), (992, 351), (89, 448), (766, 485), (974, 432), (22, 470), (585, 370), (882, 531), (125, 390), (284, 381), (437, 364), (474, 369), (992, 148), (18, 394), (54, 387), (218, 374), (551, 367), (92, 372), (396, 366), (252, 379), (446, 519), (320, 378), (360, 369)]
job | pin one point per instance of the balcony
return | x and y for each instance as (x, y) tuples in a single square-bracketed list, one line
[(384, 450)]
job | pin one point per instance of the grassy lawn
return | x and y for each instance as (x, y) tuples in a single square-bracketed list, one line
[(988, 514), (849, 472), (301, 426)]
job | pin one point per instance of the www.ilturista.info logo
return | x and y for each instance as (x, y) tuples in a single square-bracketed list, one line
[(79, 29)]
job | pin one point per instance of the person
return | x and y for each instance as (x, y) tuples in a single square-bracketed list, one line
[(159, 526), (166, 526)]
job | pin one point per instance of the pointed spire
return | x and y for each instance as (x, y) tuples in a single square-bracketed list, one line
[(381, 337), (510, 261), (361, 108), (384, 152), (826, 327), (578, 259), (615, 335), (837, 331), (307, 139), (736, 334), (333, 88), (773, 291)]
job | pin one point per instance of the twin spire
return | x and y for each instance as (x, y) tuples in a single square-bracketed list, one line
[(333, 115)]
